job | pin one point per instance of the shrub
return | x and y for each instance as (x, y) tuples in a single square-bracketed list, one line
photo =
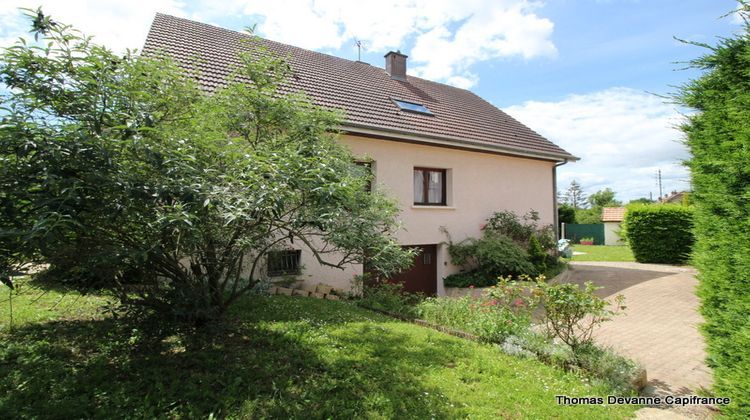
[(469, 278), (659, 233), (520, 230), (718, 135), (389, 297), (537, 256), (493, 255), (616, 371), (571, 313), (600, 364)]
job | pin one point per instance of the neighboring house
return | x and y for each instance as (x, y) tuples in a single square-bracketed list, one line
[(612, 217), (674, 197), (449, 157)]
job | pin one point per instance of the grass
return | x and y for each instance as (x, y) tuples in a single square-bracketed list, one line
[(603, 253), (284, 357)]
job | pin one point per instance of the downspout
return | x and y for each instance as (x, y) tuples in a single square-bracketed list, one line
[(555, 216)]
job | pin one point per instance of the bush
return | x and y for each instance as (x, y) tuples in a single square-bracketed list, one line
[(571, 313), (718, 135), (615, 371), (508, 224), (493, 255), (537, 256), (659, 233), (390, 297), (469, 278)]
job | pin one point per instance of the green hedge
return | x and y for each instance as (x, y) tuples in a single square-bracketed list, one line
[(660, 233), (718, 136)]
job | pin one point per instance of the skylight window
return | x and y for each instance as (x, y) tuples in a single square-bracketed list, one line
[(412, 107)]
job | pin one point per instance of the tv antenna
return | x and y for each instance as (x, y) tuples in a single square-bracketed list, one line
[(359, 45)]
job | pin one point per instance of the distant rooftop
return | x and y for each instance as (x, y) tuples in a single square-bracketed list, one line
[(613, 214)]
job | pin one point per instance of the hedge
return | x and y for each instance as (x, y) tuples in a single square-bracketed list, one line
[(659, 233), (718, 136)]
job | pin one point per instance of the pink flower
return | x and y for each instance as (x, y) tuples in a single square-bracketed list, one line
[(518, 302), (471, 286)]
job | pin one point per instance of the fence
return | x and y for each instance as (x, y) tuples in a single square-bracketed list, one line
[(574, 232)]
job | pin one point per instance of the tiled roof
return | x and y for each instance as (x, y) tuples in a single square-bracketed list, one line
[(365, 93), (613, 214)]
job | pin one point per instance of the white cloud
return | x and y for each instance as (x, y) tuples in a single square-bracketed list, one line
[(449, 36), (622, 135), (118, 24)]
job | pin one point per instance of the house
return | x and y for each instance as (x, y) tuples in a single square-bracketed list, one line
[(449, 157), (674, 197), (612, 217)]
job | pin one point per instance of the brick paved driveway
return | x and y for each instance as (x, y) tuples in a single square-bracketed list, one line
[(659, 327)]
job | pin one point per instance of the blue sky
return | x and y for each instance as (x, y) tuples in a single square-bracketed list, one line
[(581, 72)]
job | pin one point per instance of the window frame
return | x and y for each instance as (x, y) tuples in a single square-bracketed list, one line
[(423, 111), (426, 183), (280, 272)]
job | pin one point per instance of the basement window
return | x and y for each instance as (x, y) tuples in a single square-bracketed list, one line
[(283, 263), (412, 107)]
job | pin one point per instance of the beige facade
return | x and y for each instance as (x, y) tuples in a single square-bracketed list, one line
[(478, 183)]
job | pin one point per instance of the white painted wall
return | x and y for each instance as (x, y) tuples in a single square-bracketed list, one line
[(478, 184), (610, 234)]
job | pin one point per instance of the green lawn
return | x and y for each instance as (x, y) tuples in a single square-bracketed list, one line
[(603, 253), (276, 357)]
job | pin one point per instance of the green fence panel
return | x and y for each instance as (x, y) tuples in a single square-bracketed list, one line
[(574, 232)]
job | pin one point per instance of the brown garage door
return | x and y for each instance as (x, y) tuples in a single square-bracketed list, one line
[(422, 276)]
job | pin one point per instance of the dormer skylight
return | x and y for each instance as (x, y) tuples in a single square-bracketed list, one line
[(412, 107)]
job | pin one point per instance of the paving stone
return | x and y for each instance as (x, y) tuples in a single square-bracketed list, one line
[(659, 328)]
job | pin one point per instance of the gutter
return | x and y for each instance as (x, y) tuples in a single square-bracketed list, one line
[(395, 134), (555, 215)]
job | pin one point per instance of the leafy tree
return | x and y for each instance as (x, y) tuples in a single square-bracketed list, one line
[(122, 168), (589, 216), (566, 213), (718, 136), (598, 200), (604, 198), (574, 195), (641, 200)]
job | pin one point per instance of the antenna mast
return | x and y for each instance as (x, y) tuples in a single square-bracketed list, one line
[(358, 43)]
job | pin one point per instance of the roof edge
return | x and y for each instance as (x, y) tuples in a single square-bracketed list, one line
[(452, 142)]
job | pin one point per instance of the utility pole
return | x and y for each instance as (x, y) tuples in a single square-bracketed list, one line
[(658, 178)]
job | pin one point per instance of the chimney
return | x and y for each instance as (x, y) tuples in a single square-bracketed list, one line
[(395, 65)]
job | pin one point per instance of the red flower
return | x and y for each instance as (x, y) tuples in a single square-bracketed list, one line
[(492, 302), (518, 302)]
